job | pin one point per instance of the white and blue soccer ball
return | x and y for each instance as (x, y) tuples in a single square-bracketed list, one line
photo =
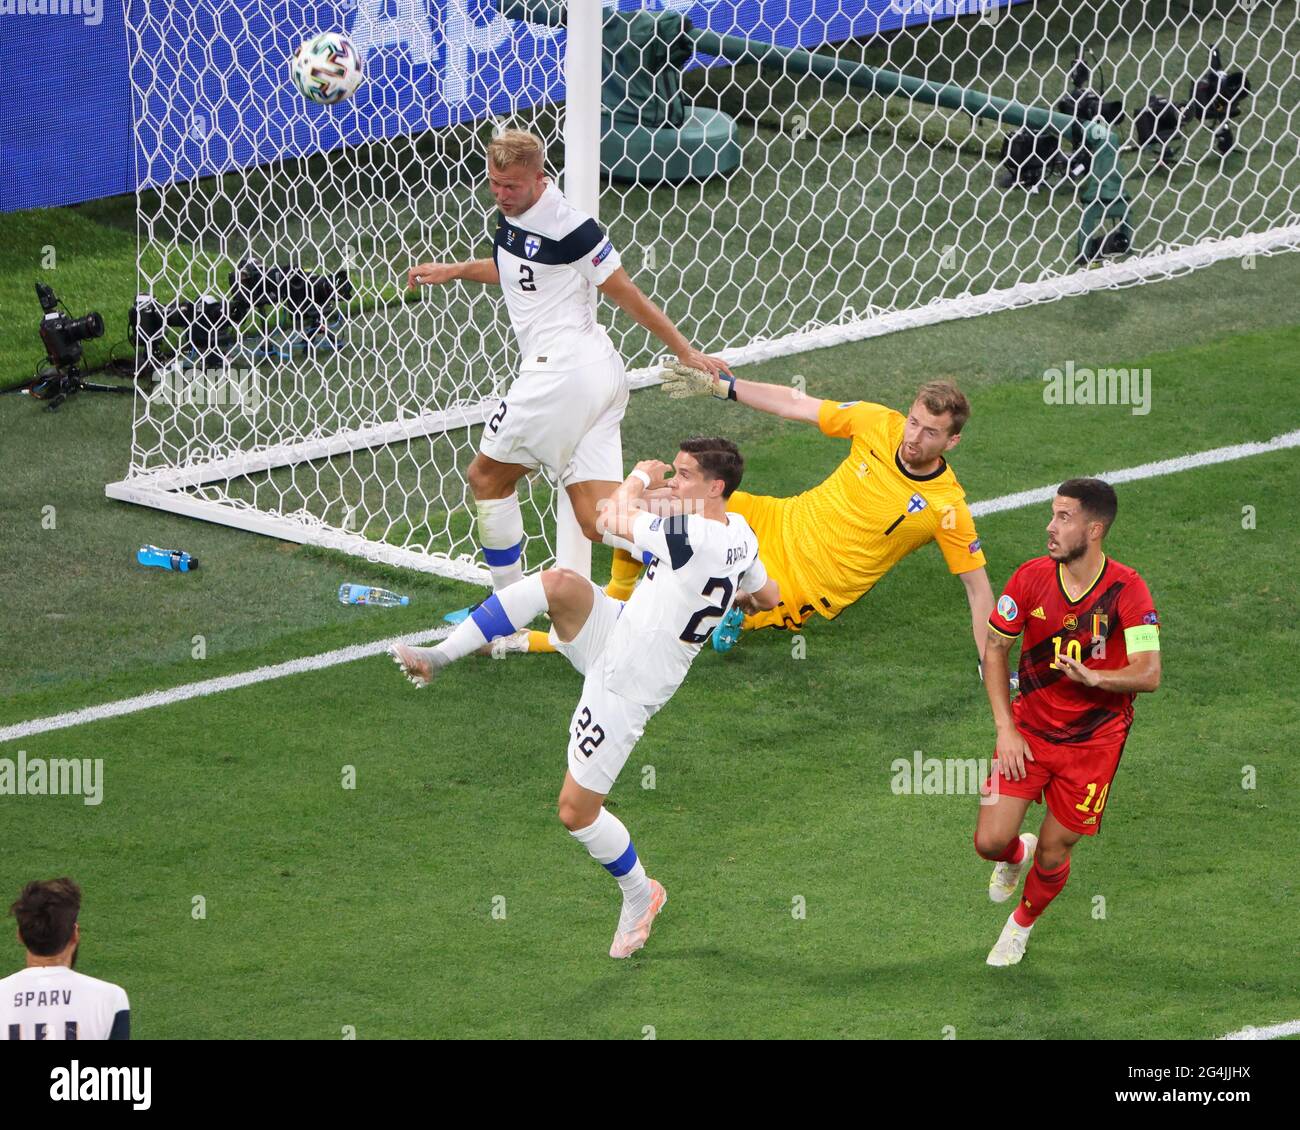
[(327, 69)]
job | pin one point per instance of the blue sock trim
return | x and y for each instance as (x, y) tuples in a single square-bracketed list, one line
[(491, 619), (498, 557), (624, 863)]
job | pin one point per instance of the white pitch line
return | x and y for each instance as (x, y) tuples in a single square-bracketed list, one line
[(1272, 1032), (363, 651), (213, 686), (1144, 471)]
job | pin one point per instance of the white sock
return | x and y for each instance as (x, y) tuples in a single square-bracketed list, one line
[(502, 614), (501, 534), (610, 845)]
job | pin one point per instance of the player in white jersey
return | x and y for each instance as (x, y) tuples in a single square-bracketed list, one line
[(634, 654), (48, 1000), (563, 411)]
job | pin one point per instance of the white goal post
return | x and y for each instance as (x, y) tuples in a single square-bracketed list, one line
[(821, 172)]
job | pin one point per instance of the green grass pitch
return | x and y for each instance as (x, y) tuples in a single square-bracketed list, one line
[(373, 907)]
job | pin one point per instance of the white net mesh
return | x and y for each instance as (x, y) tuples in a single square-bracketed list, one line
[(770, 201)]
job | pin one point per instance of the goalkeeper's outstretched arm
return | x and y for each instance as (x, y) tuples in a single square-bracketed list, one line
[(780, 400)]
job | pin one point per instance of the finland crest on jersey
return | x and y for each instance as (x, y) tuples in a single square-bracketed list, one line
[(699, 567), (549, 259)]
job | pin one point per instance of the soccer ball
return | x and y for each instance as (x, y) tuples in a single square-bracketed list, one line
[(327, 68)]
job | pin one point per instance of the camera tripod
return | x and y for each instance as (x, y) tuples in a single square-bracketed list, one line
[(55, 385)]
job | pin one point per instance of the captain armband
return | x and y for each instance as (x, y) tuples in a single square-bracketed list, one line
[(1142, 637)]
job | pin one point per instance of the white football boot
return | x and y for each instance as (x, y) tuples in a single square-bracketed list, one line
[(1006, 876), (418, 664), (1010, 946), (626, 943), (503, 646)]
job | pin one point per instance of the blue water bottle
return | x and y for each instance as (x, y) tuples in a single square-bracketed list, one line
[(175, 559), (368, 594)]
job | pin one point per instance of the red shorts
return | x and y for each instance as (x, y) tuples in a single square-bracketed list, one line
[(1074, 778)]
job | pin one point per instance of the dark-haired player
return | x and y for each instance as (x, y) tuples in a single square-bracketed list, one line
[(633, 655), (48, 1000), (1091, 642)]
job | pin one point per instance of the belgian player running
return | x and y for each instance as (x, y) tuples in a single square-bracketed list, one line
[(1091, 642)]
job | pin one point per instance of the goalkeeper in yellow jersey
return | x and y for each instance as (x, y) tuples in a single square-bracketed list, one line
[(894, 493)]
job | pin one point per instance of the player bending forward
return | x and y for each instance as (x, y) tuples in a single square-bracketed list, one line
[(633, 654), (1091, 642), (563, 410)]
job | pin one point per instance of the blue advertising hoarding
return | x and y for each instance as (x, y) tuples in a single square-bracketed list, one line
[(214, 93)]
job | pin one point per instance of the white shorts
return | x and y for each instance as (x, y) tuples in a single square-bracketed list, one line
[(564, 420), (605, 726)]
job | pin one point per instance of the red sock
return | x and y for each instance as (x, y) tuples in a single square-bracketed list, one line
[(1014, 852), (1040, 888)]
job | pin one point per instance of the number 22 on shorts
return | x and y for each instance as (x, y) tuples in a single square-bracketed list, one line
[(587, 745)]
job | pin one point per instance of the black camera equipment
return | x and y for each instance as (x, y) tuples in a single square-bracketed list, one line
[(1158, 128), (1030, 157), (1212, 99), (210, 325), (1216, 96), (310, 300), (62, 335), (307, 305), (1085, 103)]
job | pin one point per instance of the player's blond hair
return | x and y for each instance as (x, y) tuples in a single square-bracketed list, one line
[(940, 396), (516, 147)]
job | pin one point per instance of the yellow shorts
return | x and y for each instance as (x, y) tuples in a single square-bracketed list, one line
[(764, 515)]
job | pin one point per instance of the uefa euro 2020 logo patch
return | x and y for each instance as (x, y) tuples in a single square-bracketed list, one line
[(1007, 607)]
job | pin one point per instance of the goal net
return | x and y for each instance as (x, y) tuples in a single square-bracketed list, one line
[(779, 175)]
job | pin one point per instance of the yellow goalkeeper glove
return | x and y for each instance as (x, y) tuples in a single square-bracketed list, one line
[(681, 381)]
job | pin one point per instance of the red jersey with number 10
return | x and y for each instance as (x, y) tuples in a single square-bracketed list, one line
[(1091, 629)]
